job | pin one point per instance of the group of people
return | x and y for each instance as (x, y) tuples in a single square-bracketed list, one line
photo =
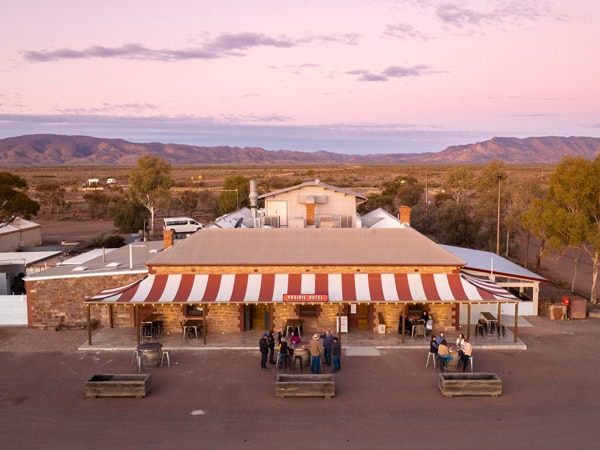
[(425, 319), (439, 347), (330, 350)]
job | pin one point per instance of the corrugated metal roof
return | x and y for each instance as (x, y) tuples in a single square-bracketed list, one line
[(308, 246), (488, 262), (314, 183)]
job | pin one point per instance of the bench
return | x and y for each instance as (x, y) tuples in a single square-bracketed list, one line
[(117, 385), (452, 384), (313, 385)]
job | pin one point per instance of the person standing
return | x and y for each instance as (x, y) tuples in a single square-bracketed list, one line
[(336, 353), (284, 354), (327, 343), (263, 345), (315, 350), (280, 334), (271, 343), (467, 351)]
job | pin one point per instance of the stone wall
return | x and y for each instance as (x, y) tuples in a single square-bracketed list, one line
[(60, 301)]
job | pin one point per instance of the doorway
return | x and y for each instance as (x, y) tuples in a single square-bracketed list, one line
[(359, 315)]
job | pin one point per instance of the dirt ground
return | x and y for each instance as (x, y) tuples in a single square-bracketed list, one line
[(222, 400)]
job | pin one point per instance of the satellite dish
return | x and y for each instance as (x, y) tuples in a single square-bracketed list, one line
[(238, 223)]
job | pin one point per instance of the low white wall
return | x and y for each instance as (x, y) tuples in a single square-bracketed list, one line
[(525, 309), (13, 310)]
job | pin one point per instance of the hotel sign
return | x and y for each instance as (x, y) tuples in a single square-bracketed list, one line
[(305, 298)]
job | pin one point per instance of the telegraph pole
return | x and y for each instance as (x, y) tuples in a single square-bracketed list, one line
[(498, 219)]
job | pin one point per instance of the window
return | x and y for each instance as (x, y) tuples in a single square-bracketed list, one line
[(308, 310), (194, 310)]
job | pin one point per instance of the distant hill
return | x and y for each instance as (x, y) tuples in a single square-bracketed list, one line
[(53, 150)]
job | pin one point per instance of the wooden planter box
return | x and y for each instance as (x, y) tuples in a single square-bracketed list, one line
[(288, 385), (128, 385), (470, 384)]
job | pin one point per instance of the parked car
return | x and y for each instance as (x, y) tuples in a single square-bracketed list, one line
[(182, 225)]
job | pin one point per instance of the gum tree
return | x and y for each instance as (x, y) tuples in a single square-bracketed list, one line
[(150, 184), (14, 200)]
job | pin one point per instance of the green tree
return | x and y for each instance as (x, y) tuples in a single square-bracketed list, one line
[(51, 196), (568, 219), (575, 188), (454, 224), (189, 201), (520, 194), (128, 215), (150, 184), (374, 201), (98, 204), (485, 204), (235, 194), (14, 200), (458, 181)]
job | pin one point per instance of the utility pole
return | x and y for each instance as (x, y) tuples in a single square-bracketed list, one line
[(498, 219)]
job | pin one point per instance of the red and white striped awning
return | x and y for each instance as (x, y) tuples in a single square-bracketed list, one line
[(271, 288)]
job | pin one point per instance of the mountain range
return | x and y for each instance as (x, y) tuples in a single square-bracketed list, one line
[(54, 150)]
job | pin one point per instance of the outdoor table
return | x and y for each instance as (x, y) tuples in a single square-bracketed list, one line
[(490, 320), (155, 322), (194, 325), (150, 354)]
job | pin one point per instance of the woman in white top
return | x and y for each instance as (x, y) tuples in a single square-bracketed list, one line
[(460, 340)]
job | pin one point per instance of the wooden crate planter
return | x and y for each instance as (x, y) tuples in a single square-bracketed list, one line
[(452, 384), (289, 385), (127, 385)]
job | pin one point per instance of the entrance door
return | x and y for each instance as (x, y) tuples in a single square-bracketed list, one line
[(260, 316), (359, 316)]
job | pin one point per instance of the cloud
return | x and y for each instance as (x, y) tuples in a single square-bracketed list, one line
[(221, 46), (506, 12), (108, 108), (534, 115), (393, 72), (405, 31)]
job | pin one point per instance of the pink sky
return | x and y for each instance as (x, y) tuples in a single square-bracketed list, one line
[(350, 76)]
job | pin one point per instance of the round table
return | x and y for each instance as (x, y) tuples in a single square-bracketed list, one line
[(150, 354)]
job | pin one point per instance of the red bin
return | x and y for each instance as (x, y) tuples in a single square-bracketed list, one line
[(565, 301)]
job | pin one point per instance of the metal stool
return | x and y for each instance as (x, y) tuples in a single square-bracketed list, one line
[(147, 331), (480, 328), (167, 354), (502, 329), (298, 358), (137, 360), (432, 356)]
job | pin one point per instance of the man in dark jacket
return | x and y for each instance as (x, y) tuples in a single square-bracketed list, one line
[(327, 342), (263, 345), (271, 342), (336, 353)]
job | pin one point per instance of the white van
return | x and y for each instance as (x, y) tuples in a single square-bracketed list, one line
[(182, 225)]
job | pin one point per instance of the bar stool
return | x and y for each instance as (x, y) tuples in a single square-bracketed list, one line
[(147, 331), (137, 360), (165, 354), (502, 330), (296, 359), (432, 356), (480, 328)]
